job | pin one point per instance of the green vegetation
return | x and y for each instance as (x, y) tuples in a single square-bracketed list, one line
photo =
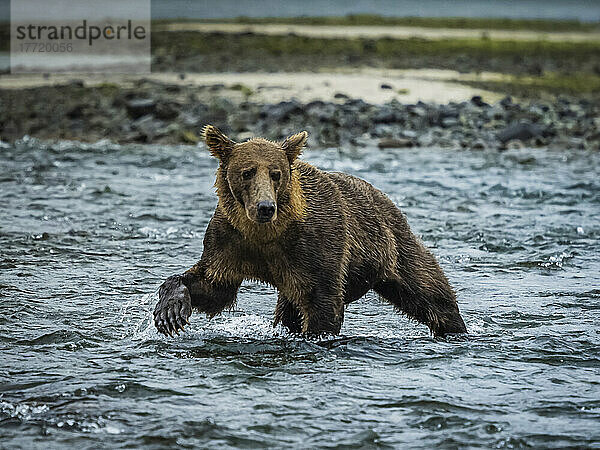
[(245, 90), (204, 52), (550, 84), (185, 43), (429, 22), (533, 68), (107, 89)]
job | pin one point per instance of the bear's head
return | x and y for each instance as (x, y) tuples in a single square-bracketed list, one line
[(257, 173)]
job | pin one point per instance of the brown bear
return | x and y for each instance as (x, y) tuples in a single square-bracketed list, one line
[(322, 239)]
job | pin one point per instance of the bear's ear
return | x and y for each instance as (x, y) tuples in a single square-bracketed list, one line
[(219, 145), (294, 144)]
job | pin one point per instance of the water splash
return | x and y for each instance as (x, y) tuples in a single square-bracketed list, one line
[(557, 261), (22, 411)]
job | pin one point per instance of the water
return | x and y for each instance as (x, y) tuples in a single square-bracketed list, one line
[(584, 10), (89, 231)]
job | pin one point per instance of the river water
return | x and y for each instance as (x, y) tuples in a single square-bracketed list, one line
[(88, 232)]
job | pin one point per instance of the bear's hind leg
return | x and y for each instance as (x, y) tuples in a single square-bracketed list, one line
[(288, 314), (433, 305)]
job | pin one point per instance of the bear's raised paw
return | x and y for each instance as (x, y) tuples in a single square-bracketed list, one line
[(173, 308)]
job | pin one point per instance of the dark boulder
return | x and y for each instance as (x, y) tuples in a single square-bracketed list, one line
[(139, 107), (521, 131), (281, 111), (166, 110), (395, 143), (478, 101)]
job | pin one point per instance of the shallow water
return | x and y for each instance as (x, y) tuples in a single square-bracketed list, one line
[(89, 231)]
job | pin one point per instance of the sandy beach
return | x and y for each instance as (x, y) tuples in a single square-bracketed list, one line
[(408, 86), (396, 32)]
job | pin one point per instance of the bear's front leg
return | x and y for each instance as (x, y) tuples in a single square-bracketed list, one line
[(180, 293), (288, 314), (323, 311)]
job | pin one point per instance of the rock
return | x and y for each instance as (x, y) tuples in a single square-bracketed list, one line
[(325, 112), (496, 112), (357, 103), (172, 88), (173, 128), (409, 134), (506, 101), (521, 131), (166, 110), (190, 119), (449, 122), (395, 143), (448, 111), (76, 112), (417, 110), (281, 111), (443, 116), (513, 145), (77, 83), (149, 127), (340, 95), (139, 107), (190, 137), (314, 104), (478, 145), (478, 101), (385, 114)]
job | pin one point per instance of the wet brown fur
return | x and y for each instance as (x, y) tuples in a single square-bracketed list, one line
[(333, 238)]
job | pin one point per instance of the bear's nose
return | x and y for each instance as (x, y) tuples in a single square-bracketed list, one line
[(265, 210)]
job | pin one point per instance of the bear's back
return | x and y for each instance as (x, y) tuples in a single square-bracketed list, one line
[(371, 220), (356, 195)]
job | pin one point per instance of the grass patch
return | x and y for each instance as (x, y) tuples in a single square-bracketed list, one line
[(428, 22), (245, 90), (185, 43), (551, 84), (204, 52), (487, 47)]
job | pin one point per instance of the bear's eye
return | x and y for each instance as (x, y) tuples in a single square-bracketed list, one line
[(276, 176), (248, 174)]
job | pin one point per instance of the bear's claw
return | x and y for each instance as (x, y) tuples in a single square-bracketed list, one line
[(173, 308)]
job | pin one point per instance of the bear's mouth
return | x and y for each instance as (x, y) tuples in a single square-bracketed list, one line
[(262, 220)]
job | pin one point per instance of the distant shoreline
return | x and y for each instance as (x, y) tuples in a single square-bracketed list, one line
[(442, 87), (382, 31), (165, 111), (353, 20)]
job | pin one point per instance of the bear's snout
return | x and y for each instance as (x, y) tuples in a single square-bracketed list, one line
[(265, 210)]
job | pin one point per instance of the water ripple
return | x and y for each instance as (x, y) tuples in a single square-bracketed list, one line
[(90, 230)]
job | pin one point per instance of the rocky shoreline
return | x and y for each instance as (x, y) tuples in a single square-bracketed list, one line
[(152, 112)]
